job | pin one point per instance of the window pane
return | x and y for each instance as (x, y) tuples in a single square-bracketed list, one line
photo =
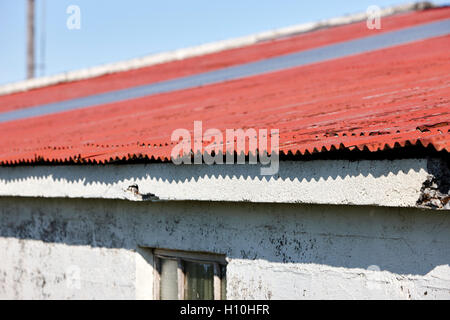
[(199, 281), (169, 280)]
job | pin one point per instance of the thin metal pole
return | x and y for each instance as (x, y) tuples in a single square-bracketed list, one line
[(30, 39), (43, 38)]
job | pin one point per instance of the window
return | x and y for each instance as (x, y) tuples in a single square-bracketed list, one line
[(181, 275)]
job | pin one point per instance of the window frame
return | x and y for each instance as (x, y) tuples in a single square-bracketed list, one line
[(217, 260)]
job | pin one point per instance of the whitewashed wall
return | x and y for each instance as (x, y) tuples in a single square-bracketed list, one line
[(395, 183), (87, 248)]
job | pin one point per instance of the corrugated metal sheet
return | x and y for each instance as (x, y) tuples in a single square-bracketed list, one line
[(385, 98)]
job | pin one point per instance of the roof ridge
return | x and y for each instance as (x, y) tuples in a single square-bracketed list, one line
[(208, 48)]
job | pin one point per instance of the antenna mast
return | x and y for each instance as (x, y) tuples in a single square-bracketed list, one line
[(30, 39)]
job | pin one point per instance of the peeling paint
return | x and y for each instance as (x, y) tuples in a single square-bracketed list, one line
[(274, 251)]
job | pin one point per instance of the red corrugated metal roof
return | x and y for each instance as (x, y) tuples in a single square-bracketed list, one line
[(387, 97)]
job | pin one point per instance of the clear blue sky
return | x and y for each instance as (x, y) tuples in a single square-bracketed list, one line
[(114, 30)]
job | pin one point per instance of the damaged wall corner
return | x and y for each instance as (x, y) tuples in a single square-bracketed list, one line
[(435, 191)]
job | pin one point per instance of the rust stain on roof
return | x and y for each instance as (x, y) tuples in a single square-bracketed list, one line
[(387, 98)]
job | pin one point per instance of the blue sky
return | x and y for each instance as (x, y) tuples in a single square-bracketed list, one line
[(114, 30)]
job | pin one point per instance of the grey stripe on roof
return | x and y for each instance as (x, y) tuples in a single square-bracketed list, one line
[(283, 62)]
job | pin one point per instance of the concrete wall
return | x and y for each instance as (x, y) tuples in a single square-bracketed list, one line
[(395, 183), (87, 248)]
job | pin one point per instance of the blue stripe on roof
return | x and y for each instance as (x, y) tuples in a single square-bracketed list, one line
[(297, 59)]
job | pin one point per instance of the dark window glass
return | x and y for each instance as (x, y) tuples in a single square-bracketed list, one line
[(199, 283)]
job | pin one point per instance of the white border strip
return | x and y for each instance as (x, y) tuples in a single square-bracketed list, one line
[(185, 53), (394, 183)]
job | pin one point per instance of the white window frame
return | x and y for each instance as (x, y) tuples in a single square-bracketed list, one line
[(217, 260)]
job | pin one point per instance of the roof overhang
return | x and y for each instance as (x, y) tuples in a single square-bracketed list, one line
[(395, 183)]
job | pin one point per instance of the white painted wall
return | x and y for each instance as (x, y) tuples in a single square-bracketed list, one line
[(365, 182), (276, 251), (32, 269)]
